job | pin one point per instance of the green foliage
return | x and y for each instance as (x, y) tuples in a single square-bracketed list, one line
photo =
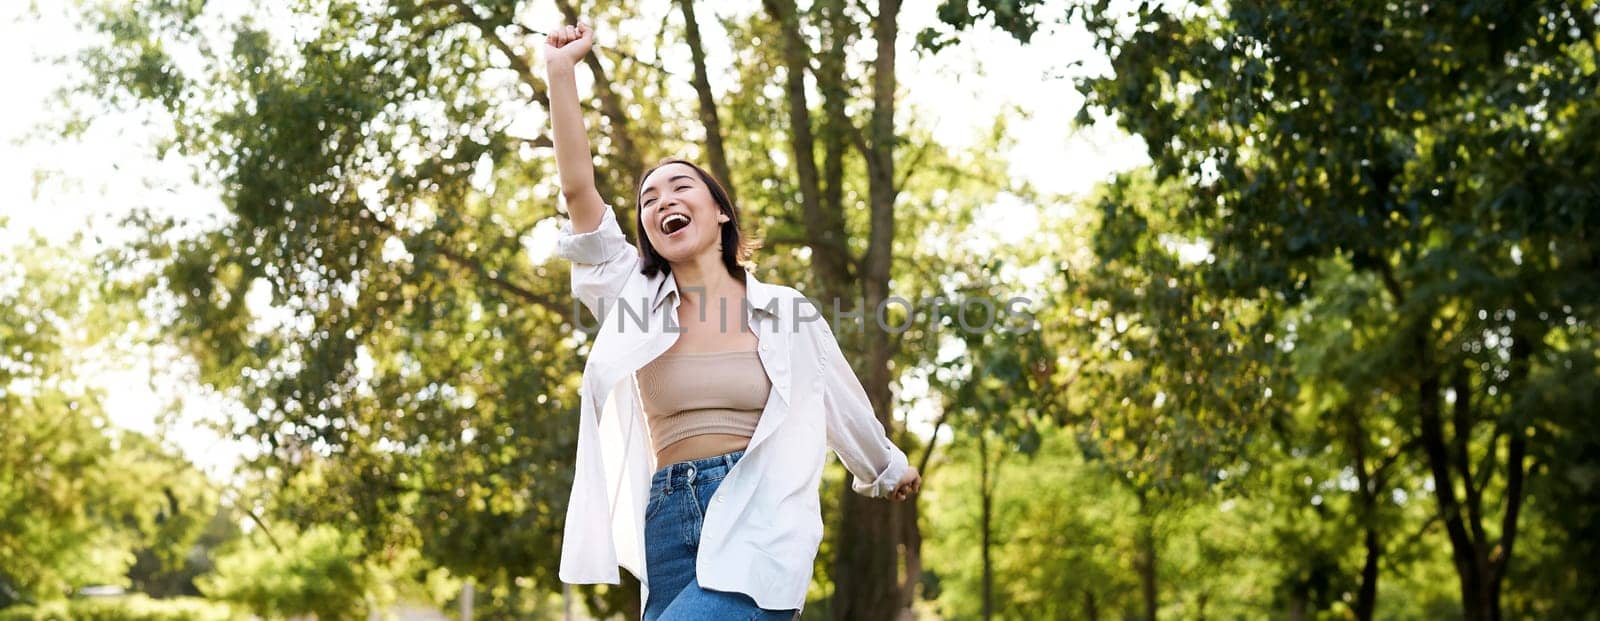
[(1015, 17), (1568, 519), (1062, 540), (1400, 196), (321, 571), (53, 473), (78, 498), (1193, 375), (124, 608), (157, 571)]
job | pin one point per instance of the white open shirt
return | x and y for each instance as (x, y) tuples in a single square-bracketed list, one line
[(761, 532)]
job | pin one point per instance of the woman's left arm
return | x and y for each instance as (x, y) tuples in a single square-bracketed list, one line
[(880, 468)]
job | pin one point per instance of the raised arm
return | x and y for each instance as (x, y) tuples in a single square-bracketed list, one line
[(564, 48)]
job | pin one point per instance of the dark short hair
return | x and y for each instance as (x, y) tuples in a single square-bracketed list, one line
[(736, 249)]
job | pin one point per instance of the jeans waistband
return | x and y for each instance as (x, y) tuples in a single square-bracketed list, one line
[(684, 473)]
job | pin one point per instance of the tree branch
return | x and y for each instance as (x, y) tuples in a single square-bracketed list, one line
[(1461, 423), (1438, 457), (830, 259), (1392, 284), (1523, 343), (1379, 474), (610, 104), (519, 64), (618, 53), (1517, 454), (829, 73), (708, 104), (471, 265), (911, 166), (927, 452)]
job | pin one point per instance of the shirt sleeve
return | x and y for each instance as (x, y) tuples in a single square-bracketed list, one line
[(853, 430), (601, 260)]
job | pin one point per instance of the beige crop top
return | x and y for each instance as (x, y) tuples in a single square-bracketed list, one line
[(694, 393)]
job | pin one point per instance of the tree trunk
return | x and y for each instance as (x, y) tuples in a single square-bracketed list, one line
[(1369, 484), (1479, 562), (1469, 574), (716, 155), (986, 505), (824, 228), (872, 589), (836, 127), (911, 534), (1367, 595), (1145, 560), (868, 583), (1147, 577), (865, 566)]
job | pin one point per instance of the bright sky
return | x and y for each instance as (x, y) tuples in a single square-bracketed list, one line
[(61, 188)]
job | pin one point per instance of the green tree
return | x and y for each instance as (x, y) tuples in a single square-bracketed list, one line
[(1176, 381), (59, 499), (1443, 151), (997, 390), (78, 497), (1059, 538)]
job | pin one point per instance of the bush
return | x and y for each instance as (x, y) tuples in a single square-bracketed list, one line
[(318, 571), (129, 608)]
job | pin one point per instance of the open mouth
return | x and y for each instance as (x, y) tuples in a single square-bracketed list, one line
[(674, 223)]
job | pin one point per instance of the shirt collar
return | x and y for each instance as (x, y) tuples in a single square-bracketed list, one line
[(763, 298)]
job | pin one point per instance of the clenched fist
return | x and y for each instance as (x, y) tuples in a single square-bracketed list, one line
[(567, 45), (910, 484)]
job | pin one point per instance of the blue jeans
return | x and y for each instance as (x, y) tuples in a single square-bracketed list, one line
[(679, 496)]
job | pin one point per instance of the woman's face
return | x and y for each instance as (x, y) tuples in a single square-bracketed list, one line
[(679, 214)]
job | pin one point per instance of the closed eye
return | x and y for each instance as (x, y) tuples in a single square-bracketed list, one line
[(652, 200)]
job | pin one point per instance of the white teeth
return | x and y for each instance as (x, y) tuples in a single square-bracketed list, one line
[(674, 223)]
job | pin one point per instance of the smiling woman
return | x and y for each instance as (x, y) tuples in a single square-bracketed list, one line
[(673, 196), (700, 446)]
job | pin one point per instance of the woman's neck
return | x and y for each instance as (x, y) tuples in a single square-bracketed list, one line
[(705, 278)]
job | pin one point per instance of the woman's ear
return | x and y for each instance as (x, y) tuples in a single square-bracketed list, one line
[(722, 217)]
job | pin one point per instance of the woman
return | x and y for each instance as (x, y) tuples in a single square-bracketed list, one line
[(704, 422)]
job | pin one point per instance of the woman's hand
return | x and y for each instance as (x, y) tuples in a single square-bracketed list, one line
[(910, 484), (567, 45)]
